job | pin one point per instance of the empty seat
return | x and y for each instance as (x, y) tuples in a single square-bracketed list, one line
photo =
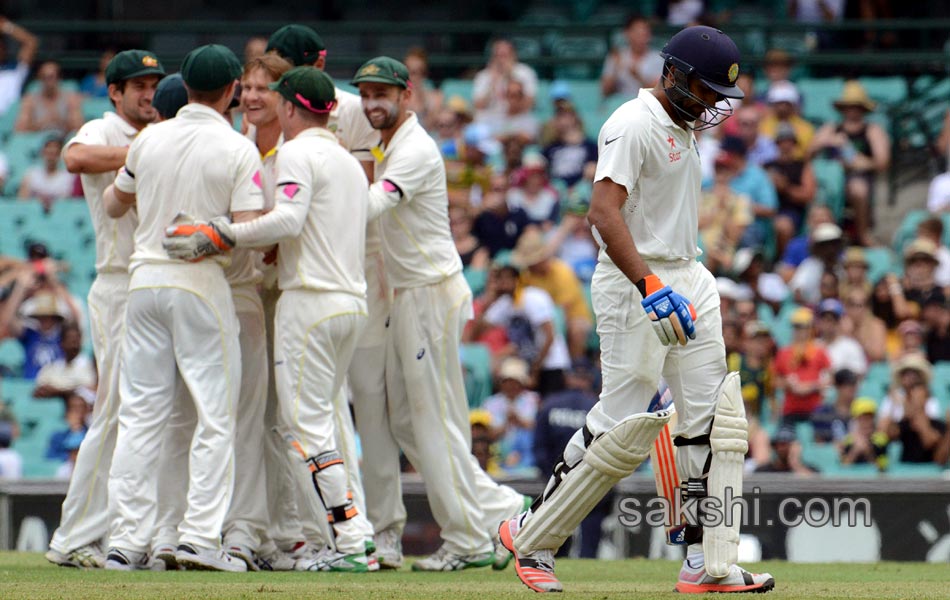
[(818, 96)]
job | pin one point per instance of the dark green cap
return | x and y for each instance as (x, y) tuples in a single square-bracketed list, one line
[(307, 87), (383, 69), (210, 67), (170, 96), (297, 43), (133, 63)]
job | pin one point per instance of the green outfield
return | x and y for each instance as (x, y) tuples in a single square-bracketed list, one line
[(29, 576)]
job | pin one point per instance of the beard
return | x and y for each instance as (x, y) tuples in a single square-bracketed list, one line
[(387, 120)]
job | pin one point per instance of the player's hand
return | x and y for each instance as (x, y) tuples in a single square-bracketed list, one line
[(672, 315), (194, 241)]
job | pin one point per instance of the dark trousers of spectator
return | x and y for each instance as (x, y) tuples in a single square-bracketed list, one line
[(550, 381)]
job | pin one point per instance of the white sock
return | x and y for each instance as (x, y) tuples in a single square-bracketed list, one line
[(694, 556)]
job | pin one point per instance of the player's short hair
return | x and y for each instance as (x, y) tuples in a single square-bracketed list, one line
[(206, 96), (271, 63), (633, 19)]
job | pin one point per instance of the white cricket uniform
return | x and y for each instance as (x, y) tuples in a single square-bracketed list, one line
[(85, 517), (319, 221), (432, 303), (180, 317), (642, 149)]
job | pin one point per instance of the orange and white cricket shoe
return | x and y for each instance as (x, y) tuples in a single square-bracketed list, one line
[(535, 570), (697, 581)]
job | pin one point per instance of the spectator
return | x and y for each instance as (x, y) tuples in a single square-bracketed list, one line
[(751, 180), (555, 277), (931, 229), (909, 340), (467, 176), (51, 108), (13, 74), (60, 442), (680, 12), (483, 447), (449, 123), (94, 84), (936, 317), (255, 47), (831, 422), (528, 315), (862, 325), (11, 464), (490, 88), (795, 184), (724, 216), (843, 350), (863, 444), (829, 286), (532, 193), (494, 337), (855, 265), (920, 272), (938, 195), (425, 101), (634, 66), (826, 244), (48, 181), (756, 282), (74, 370), (908, 371), (787, 455), (513, 411), (573, 241), (783, 100), (571, 156), (923, 438), (803, 370), (888, 302), (761, 149), (797, 249), (518, 120), (71, 446), (513, 149), (471, 251), (777, 66), (561, 99), (754, 365), (498, 227), (864, 150)]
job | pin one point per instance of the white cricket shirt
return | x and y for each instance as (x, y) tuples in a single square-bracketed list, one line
[(642, 149), (195, 163), (113, 236), (417, 242)]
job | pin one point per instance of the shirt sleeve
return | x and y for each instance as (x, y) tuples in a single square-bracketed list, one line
[(90, 134), (404, 177), (620, 152), (125, 178), (481, 87), (248, 193)]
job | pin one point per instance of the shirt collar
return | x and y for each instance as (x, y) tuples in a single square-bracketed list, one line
[(316, 132), (122, 124), (193, 110), (404, 130), (646, 95)]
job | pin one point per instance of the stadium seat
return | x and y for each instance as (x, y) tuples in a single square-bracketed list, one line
[(876, 381), (940, 385), (93, 108), (831, 185), (578, 46), (457, 87), (8, 120), (880, 262), (476, 367), (11, 358), (818, 96), (886, 90), (907, 230)]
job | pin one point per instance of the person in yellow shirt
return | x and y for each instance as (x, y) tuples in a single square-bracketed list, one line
[(541, 269), (784, 100)]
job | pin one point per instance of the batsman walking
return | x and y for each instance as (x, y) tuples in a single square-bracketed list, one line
[(657, 314)]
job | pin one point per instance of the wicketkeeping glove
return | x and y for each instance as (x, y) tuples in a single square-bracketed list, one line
[(192, 241), (671, 315)]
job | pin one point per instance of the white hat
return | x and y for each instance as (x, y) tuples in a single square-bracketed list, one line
[(783, 91), (826, 232), (514, 368), (727, 288)]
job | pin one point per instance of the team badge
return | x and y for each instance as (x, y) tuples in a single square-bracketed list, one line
[(290, 190), (257, 179), (149, 61), (733, 72), (370, 70)]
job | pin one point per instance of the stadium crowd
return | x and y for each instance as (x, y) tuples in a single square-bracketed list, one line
[(842, 342)]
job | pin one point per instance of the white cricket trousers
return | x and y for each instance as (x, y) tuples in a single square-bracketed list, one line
[(315, 336), (428, 413), (85, 517), (169, 328)]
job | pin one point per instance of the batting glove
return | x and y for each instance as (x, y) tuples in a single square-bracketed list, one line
[(194, 241), (671, 315)]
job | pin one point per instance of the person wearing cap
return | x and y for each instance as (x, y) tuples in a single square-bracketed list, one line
[(748, 267), (513, 411), (784, 101), (825, 248), (322, 307), (787, 455), (635, 65), (802, 369), (795, 184), (754, 364), (843, 350), (467, 164), (864, 444), (657, 314), (920, 271), (855, 265), (193, 167), (907, 371), (410, 199), (533, 193), (935, 314), (170, 96), (862, 147), (490, 87), (831, 421)]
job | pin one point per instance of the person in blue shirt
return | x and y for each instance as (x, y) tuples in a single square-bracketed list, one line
[(752, 180), (63, 442)]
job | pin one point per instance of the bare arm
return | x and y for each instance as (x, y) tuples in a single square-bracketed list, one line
[(369, 167), (605, 205), (9, 324), (74, 116), (28, 42), (87, 158), (117, 202), (803, 193), (547, 329), (880, 148), (24, 121), (608, 80)]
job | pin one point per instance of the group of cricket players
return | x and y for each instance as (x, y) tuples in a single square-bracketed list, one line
[(252, 286)]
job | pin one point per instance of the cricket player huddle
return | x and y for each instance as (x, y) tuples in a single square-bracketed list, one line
[(250, 287)]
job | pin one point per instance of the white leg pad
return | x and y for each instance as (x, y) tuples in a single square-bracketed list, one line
[(729, 443), (609, 458)]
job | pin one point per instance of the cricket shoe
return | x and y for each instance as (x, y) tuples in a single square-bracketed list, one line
[(193, 559), (58, 558), (535, 570), (89, 556), (443, 560), (242, 552), (332, 561), (129, 560), (502, 555), (738, 580), (389, 549), (166, 554), (275, 559), (371, 561)]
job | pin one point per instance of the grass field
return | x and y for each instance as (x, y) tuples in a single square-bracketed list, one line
[(29, 576)]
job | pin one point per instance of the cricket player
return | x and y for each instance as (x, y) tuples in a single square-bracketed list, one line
[(431, 304), (302, 45), (319, 221), (657, 314), (96, 152), (180, 319)]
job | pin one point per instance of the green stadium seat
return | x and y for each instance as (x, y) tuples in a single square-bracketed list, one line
[(11, 358), (880, 262), (822, 456), (457, 87), (578, 46), (907, 230), (71, 212), (940, 385), (93, 108), (831, 185), (8, 119), (885, 90), (476, 367), (818, 96), (876, 381)]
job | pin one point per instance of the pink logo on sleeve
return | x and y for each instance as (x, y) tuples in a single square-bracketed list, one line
[(257, 179), (290, 190)]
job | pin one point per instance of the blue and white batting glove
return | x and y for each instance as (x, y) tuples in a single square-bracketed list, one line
[(671, 315)]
